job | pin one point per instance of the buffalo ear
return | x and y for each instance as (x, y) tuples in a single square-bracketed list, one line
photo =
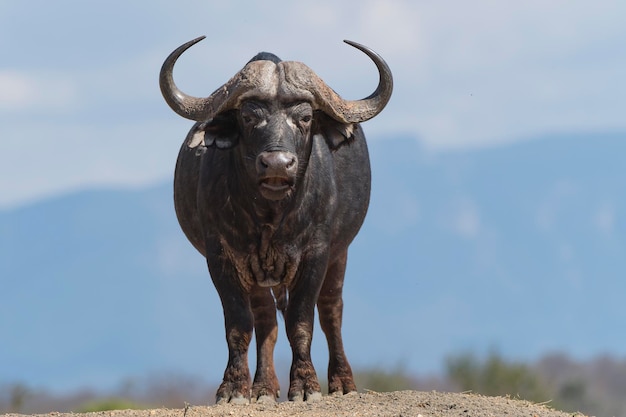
[(220, 132), (335, 133)]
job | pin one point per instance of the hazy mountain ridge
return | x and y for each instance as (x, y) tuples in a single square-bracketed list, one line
[(519, 247)]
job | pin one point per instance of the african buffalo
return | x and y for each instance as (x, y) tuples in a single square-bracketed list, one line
[(272, 184)]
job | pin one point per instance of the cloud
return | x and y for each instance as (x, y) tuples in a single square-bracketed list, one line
[(375, 15), (466, 74), (467, 223), (23, 92), (16, 91), (60, 157), (604, 219), (485, 73), (556, 201), (463, 218)]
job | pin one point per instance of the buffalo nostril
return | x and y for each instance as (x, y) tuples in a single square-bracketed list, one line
[(276, 163)]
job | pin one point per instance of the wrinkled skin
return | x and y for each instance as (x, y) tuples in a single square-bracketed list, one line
[(307, 233), (272, 191)]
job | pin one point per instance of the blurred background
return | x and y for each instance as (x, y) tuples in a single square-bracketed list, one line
[(493, 255)]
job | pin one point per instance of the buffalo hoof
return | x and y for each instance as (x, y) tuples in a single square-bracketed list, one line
[(310, 397), (233, 394), (341, 385), (304, 385), (266, 391), (238, 400), (266, 399)]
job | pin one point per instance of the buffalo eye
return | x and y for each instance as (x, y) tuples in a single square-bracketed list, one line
[(251, 114), (249, 119), (303, 114)]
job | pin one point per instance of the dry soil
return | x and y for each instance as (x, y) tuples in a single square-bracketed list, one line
[(370, 404)]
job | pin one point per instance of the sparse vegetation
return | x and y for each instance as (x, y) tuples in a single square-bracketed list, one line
[(496, 377), (108, 404), (382, 380), (593, 387)]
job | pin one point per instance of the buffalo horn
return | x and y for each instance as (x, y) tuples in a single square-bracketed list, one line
[(195, 108), (297, 74), (356, 111)]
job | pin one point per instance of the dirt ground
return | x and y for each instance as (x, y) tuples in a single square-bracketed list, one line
[(370, 404)]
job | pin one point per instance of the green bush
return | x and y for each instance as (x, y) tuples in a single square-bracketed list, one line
[(108, 404), (380, 380), (496, 377)]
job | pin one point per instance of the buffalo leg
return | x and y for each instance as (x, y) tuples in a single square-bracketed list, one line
[(299, 317), (330, 307), (238, 321), (265, 386)]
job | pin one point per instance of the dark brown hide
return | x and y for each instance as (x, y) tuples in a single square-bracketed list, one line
[(272, 185)]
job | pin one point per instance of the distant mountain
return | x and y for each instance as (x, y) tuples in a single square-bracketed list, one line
[(520, 248)]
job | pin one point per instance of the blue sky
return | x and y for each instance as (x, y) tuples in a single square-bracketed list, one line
[(80, 105)]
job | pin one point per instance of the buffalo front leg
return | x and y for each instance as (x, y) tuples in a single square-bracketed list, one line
[(330, 307), (265, 386), (238, 321), (299, 317)]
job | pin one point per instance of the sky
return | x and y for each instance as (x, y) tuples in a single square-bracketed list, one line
[(80, 105)]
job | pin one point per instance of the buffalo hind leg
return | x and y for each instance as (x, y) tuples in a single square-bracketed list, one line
[(330, 307), (265, 386)]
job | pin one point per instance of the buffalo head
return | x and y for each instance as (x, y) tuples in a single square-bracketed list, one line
[(269, 111)]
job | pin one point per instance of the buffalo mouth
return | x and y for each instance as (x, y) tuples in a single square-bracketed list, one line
[(275, 188)]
